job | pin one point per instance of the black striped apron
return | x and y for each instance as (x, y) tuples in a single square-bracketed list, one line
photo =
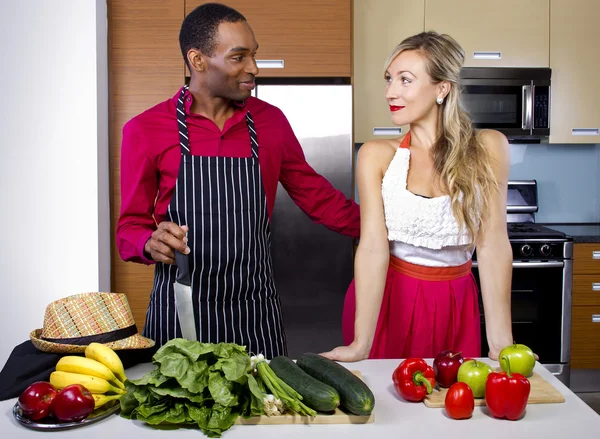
[(222, 201)]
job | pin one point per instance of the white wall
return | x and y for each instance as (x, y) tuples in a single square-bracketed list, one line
[(54, 220)]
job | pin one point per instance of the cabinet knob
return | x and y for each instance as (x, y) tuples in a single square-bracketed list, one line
[(596, 286), (595, 318), (596, 254)]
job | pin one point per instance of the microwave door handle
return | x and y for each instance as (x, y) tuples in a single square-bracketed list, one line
[(527, 105)]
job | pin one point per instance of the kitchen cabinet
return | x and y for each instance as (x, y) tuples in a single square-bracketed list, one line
[(378, 28), (313, 38), (508, 33), (575, 94), (585, 326), (146, 67)]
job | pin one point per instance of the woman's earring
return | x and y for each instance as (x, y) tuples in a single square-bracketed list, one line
[(439, 101)]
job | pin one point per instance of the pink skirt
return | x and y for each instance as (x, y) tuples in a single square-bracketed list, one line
[(424, 310)]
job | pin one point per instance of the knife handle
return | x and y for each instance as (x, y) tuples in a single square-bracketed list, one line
[(183, 268)]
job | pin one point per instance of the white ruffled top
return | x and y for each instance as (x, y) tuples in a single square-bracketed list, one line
[(421, 230)]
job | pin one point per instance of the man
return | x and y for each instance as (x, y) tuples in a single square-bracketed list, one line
[(204, 166)]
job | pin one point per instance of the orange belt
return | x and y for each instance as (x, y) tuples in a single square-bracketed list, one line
[(429, 273)]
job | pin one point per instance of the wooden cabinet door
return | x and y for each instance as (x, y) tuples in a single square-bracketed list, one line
[(379, 26), (575, 93), (515, 30), (585, 326), (312, 37), (586, 258), (585, 337), (586, 289), (145, 67)]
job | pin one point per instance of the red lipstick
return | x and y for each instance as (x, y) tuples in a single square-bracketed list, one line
[(395, 108)]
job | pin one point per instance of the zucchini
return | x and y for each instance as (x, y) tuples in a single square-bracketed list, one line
[(315, 394), (355, 395)]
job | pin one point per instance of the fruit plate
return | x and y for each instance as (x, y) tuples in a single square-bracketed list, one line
[(45, 425)]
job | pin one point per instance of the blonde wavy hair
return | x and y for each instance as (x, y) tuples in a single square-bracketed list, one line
[(460, 159)]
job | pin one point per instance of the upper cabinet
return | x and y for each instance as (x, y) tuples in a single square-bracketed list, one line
[(575, 98), (507, 33), (379, 26), (298, 38)]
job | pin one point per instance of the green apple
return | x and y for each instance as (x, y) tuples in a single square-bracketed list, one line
[(475, 374), (520, 358)]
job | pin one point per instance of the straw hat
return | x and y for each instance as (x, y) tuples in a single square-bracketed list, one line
[(71, 323)]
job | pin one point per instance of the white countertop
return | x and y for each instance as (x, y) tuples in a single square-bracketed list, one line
[(394, 418)]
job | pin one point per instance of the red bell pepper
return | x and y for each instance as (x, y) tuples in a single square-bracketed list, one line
[(414, 379), (506, 394)]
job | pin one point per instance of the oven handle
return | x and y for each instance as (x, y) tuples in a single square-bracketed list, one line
[(541, 264)]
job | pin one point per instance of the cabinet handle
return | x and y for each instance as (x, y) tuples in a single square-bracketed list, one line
[(487, 55), (595, 318), (596, 286), (596, 254), (270, 63), (384, 131), (585, 132)]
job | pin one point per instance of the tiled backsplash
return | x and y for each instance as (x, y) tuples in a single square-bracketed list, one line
[(568, 179)]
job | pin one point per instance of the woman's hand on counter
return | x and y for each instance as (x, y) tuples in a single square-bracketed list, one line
[(347, 354)]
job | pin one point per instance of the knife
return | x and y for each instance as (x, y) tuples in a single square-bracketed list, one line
[(183, 297)]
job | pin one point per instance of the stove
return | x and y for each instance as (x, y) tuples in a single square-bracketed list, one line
[(541, 282), (530, 241), (530, 230)]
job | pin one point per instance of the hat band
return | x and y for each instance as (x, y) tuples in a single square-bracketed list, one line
[(106, 337)]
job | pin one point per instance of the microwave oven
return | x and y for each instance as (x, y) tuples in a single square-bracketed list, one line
[(514, 101)]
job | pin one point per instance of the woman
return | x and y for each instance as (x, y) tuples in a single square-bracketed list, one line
[(427, 200)]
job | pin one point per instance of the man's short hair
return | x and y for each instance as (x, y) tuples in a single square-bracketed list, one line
[(199, 28)]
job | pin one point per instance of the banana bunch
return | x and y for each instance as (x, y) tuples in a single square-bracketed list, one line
[(100, 371)]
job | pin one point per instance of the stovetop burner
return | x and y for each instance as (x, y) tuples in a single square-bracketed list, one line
[(533, 231)]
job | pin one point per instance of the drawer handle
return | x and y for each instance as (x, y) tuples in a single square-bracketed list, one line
[(595, 318), (596, 254), (385, 131), (596, 286), (270, 63), (487, 55), (585, 132)]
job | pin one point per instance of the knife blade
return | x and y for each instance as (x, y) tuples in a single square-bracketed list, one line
[(183, 297)]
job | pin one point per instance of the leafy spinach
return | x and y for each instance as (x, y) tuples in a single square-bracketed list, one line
[(203, 383)]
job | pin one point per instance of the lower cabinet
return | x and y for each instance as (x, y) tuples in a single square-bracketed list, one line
[(585, 322)]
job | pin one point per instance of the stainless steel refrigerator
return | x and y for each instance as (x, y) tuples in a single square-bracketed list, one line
[(313, 265)]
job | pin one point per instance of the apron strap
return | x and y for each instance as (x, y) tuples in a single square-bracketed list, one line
[(253, 138), (184, 140)]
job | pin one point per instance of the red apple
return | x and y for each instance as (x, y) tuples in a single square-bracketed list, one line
[(73, 403), (445, 366), (36, 399)]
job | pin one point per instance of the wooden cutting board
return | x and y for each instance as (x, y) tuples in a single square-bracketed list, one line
[(542, 392), (337, 417)]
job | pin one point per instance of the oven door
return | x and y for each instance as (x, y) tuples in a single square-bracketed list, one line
[(538, 319)]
